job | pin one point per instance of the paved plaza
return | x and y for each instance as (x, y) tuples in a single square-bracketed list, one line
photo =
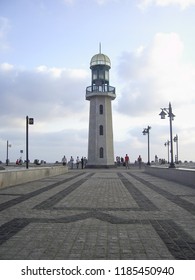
[(98, 214)]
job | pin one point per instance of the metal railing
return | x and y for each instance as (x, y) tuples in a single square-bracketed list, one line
[(102, 88)]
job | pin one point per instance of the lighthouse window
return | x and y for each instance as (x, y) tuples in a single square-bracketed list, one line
[(101, 152), (106, 75), (94, 74), (101, 130), (101, 109), (101, 74)]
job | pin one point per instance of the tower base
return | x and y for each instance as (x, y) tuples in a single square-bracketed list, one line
[(100, 166)]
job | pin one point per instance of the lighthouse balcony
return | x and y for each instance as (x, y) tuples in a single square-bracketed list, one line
[(103, 90)]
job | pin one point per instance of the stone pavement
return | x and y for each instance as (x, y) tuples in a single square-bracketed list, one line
[(98, 214)]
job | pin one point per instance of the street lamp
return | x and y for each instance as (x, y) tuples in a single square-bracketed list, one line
[(7, 157), (171, 116), (28, 121), (175, 139), (147, 131), (167, 144)]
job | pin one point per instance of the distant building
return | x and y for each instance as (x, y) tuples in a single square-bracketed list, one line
[(100, 94)]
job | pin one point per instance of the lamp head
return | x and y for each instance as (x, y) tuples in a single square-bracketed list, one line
[(162, 114)]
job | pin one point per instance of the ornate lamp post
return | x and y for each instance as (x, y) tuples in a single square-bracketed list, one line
[(147, 131), (28, 121), (175, 139), (171, 116), (167, 144)]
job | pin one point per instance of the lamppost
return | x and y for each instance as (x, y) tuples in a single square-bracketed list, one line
[(147, 131), (167, 144), (7, 157), (171, 116), (28, 121), (175, 139)]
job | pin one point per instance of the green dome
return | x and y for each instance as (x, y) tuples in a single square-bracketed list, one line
[(100, 59)]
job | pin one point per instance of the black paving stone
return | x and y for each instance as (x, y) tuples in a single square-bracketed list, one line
[(174, 198), (24, 197)]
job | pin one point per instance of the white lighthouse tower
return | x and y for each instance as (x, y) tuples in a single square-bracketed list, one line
[(100, 94)]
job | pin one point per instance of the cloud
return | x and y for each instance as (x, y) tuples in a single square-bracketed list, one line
[(6, 67), (154, 75), (150, 77), (44, 92), (53, 145), (55, 98), (183, 4)]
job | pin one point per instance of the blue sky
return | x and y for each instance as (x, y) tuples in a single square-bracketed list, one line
[(45, 51)]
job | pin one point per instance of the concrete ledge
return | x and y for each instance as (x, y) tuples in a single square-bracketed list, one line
[(100, 166), (183, 176), (15, 177)]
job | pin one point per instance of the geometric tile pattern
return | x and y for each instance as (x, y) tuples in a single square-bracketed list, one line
[(98, 214)]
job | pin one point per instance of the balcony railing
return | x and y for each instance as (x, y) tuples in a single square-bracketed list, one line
[(99, 89)]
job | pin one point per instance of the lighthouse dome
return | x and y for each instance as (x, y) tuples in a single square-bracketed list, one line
[(100, 59)]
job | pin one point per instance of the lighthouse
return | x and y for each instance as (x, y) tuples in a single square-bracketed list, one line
[(100, 94)]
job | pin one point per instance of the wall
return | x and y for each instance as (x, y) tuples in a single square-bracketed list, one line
[(183, 176), (14, 177)]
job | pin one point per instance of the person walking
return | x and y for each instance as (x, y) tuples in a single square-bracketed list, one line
[(139, 161), (85, 162), (77, 162), (71, 162), (64, 161), (82, 162), (127, 161)]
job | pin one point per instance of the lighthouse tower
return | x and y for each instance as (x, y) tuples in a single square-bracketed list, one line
[(100, 94)]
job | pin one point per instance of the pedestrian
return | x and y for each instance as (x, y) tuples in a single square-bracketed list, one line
[(85, 162), (64, 160), (82, 162), (139, 161), (127, 161), (118, 161), (71, 162), (77, 162)]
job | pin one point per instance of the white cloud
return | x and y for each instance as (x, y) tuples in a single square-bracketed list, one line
[(55, 98), (46, 92), (150, 77), (56, 72), (6, 67), (155, 76), (182, 3)]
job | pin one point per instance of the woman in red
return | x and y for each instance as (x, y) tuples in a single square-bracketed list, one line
[(127, 161)]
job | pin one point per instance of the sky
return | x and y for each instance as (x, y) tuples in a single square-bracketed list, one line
[(45, 52)]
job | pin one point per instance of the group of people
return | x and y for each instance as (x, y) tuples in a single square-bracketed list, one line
[(126, 161), (119, 160), (83, 162), (19, 161)]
